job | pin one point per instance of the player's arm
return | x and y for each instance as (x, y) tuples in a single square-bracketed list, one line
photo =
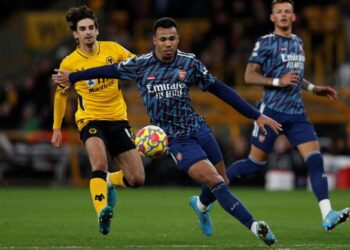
[(232, 98), (253, 76), (59, 109), (320, 90), (63, 77)]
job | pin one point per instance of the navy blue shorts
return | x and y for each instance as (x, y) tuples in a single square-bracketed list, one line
[(186, 151), (297, 129)]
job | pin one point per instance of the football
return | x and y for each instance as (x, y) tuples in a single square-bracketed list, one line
[(151, 141)]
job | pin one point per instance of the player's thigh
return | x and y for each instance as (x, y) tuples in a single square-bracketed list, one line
[(186, 152), (131, 164), (305, 149), (96, 150), (94, 137), (258, 154), (207, 141), (120, 138), (205, 173), (300, 131)]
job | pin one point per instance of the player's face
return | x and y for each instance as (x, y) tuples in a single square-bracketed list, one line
[(283, 16), (86, 32), (165, 42)]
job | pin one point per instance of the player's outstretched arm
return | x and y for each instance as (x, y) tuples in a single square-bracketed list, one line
[(320, 90), (254, 76), (232, 98)]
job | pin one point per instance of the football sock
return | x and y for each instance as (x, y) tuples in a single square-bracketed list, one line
[(317, 175), (243, 167), (325, 207), (206, 197), (98, 190), (231, 204), (253, 228), (201, 206), (117, 179)]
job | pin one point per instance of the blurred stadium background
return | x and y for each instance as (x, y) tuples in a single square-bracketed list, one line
[(35, 38)]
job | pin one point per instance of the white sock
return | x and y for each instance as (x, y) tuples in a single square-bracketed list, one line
[(200, 205), (325, 207), (253, 228), (109, 184)]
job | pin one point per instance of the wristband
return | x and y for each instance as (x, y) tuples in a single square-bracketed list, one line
[(276, 82), (311, 87)]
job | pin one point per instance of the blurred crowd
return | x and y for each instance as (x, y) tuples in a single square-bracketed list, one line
[(229, 30)]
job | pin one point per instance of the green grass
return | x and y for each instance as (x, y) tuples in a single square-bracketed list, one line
[(160, 218)]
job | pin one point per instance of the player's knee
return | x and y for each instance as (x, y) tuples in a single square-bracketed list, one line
[(214, 180), (137, 180)]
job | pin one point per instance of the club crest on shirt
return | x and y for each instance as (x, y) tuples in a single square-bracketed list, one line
[(150, 77), (90, 83), (110, 60), (182, 74)]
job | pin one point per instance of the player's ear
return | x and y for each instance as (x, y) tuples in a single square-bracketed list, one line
[(294, 17), (272, 18), (154, 39), (75, 35), (97, 32)]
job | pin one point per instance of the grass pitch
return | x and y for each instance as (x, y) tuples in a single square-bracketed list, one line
[(160, 218)]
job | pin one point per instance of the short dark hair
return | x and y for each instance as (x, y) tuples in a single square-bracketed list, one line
[(164, 22), (75, 14), (282, 1)]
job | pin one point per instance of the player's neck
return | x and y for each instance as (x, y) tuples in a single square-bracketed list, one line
[(282, 32), (87, 48)]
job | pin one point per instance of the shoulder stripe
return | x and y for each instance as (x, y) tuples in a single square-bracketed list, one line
[(190, 55), (268, 35), (144, 56)]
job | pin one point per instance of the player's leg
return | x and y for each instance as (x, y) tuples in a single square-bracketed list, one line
[(204, 172), (123, 149), (98, 187), (256, 160), (310, 152), (131, 165), (261, 146)]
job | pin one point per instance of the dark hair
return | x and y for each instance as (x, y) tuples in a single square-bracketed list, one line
[(282, 1), (75, 14), (164, 22)]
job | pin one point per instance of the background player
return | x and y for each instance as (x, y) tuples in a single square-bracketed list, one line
[(101, 115), (277, 63)]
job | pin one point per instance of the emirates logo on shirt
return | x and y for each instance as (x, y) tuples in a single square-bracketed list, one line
[(182, 74)]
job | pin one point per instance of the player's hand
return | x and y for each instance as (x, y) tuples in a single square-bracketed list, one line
[(290, 78), (325, 91), (61, 78), (265, 120), (56, 139)]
